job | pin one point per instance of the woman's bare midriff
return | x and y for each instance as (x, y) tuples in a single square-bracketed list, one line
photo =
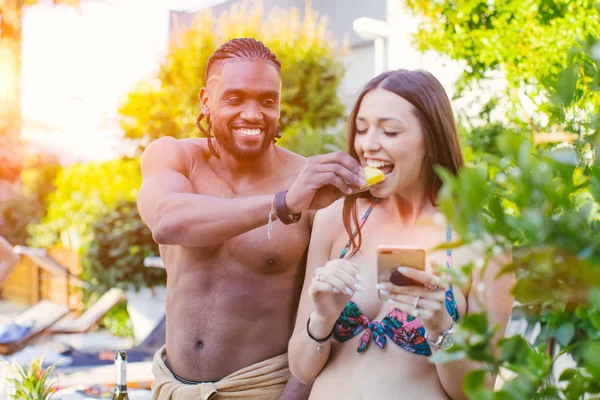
[(376, 374)]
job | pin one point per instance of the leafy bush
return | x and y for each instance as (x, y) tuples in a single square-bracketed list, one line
[(546, 205), (311, 73), (115, 256), (27, 204), (83, 193)]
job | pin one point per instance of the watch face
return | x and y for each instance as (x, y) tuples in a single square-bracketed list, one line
[(447, 341)]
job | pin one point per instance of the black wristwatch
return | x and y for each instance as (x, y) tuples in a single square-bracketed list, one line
[(444, 341), (282, 212)]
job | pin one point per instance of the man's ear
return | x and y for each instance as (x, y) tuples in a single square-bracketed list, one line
[(204, 101)]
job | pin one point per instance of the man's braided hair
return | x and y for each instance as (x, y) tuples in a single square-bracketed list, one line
[(240, 49)]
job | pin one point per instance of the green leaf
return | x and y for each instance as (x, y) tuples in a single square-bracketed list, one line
[(568, 374), (476, 323), (474, 385), (565, 333), (565, 87), (442, 357), (591, 358)]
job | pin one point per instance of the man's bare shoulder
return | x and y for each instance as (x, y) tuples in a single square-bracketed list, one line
[(293, 161), (170, 150)]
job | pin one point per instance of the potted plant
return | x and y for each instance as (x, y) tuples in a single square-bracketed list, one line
[(33, 383)]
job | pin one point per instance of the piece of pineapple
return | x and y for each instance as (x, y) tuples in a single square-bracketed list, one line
[(372, 176)]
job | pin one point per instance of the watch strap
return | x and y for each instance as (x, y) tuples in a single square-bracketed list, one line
[(282, 212)]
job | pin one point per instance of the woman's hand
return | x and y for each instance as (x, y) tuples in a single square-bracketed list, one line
[(427, 303), (332, 287)]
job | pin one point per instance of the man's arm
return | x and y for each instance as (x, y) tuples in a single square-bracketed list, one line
[(8, 260), (295, 390), (177, 215)]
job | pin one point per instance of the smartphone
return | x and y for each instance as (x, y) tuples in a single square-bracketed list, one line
[(390, 257)]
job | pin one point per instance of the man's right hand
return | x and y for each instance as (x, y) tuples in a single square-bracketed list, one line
[(323, 180)]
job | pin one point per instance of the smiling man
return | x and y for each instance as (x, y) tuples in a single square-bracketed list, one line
[(233, 284)]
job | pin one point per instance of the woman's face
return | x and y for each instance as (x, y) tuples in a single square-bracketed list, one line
[(389, 137)]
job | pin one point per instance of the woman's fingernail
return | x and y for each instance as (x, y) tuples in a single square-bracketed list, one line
[(362, 182), (348, 291), (402, 269), (381, 286), (335, 290), (359, 288), (358, 277), (384, 292), (391, 301)]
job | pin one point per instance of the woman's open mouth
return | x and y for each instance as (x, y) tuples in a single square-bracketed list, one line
[(384, 166)]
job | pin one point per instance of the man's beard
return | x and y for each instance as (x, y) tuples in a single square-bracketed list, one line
[(228, 143)]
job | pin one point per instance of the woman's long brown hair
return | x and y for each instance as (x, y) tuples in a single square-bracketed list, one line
[(433, 108)]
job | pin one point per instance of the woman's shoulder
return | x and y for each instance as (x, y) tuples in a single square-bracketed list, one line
[(331, 215)]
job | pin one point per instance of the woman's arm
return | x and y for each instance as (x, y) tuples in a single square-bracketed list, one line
[(8, 259), (497, 300), (305, 362)]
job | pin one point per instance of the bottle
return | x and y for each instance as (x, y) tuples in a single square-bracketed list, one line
[(120, 392)]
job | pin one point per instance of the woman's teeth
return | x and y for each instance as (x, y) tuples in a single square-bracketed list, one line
[(249, 132), (385, 166), (378, 163)]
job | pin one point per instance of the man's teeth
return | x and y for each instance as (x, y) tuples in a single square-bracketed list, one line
[(378, 163), (249, 132)]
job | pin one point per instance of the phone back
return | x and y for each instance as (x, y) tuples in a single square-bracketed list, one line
[(389, 258)]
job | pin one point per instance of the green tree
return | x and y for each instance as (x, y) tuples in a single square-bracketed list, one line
[(311, 73), (526, 43), (83, 193)]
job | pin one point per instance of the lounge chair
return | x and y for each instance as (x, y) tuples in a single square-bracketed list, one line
[(41, 317), (86, 321)]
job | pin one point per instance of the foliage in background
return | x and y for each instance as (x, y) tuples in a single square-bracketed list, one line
[(10, 159), (311, 73), (115, 256), (524, 42), (83, 193), (33, 383), (545, 204), (27, 204)]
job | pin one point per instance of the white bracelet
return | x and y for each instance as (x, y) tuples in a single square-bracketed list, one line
[(272, 216)]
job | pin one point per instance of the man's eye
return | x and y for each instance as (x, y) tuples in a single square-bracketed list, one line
[(233, 100), (269, 103)]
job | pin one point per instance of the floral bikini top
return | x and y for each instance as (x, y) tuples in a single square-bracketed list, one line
[(402, 328)]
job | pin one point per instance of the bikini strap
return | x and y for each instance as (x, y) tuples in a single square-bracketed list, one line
[(449, 250), (360, 225)]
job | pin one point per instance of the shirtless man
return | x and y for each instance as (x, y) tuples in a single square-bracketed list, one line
[(233, 292)]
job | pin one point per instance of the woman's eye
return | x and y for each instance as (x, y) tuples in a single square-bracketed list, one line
[(360, 131), (390, 133)]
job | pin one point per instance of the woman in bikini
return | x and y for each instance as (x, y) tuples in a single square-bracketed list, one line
[(348, 341)]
